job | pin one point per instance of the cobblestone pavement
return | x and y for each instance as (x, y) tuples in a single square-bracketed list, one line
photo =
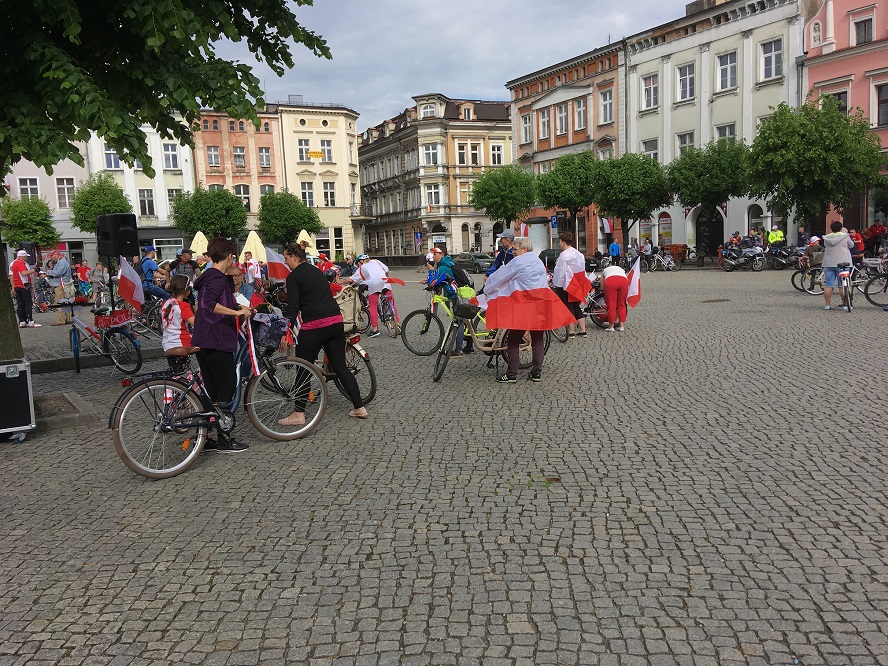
[(707, 488)]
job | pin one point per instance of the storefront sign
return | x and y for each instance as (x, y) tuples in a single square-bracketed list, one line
[(664, 223), (315, 154), (439, 239)]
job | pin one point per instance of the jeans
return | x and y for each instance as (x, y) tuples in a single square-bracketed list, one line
[(154, 290)]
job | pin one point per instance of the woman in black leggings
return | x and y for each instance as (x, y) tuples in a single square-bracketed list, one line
[(309, 295)]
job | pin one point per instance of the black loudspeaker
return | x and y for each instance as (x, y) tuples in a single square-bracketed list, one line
[(31, 249), (117, 235)]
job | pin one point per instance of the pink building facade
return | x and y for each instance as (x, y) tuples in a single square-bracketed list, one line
[(847, 56)]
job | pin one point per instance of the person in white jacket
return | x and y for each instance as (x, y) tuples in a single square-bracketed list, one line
[(374, 274), (569, 280)]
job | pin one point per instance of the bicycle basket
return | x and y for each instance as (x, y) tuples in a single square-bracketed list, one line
[(465, 309), (269, 330), (348, 303)]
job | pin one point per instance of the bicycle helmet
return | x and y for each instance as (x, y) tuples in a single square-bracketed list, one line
[(330, 274), (361, 257)]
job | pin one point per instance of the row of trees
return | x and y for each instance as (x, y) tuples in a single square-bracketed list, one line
[(802, 160)]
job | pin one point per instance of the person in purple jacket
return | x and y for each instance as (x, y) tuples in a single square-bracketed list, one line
[(215, 332)]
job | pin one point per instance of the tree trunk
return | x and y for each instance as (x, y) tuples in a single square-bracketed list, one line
[(10, 336)]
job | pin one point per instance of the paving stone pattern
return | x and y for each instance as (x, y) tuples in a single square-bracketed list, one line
[(707, 488)]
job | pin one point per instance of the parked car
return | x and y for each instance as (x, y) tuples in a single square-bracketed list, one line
[(473, 262), (549, 257)]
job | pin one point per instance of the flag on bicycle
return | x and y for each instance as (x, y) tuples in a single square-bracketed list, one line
[(519, 297), (129, 285), (633, 296), (277, 267), (570, 275)]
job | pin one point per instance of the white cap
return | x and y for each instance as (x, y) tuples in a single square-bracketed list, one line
[(21, 253)]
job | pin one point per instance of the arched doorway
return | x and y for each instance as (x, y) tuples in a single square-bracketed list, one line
[(754, 219), (497, 230), (478, 241), (465, 238), (710, 228)]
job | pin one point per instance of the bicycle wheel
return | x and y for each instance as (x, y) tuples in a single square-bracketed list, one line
[(444, 353), (153, 319), (143, 436), (654, 265), (362, 368), (645, 266), (813, 281), (849, 294), (691, 255), (422, 332), (560, 334), (387, 316), (796, 279), (676, 265), (598, 313), (123, 352), (363, 320), (876, 290), (272, 395), (75, 341)]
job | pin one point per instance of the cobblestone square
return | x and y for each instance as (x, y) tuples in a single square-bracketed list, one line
[(706, 488)]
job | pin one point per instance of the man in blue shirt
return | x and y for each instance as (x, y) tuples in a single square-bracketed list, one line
[(59, 275), (149, 266), (614, 251), (504, 256)]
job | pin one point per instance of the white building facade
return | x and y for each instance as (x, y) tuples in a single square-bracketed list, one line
[(713, 74)]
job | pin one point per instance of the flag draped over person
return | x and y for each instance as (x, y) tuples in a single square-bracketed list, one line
[(277, 267), (633, 296), (129, 285), (519, 297), (570, 274)]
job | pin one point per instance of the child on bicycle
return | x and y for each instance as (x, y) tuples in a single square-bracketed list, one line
[(176, 316), (441, 279)]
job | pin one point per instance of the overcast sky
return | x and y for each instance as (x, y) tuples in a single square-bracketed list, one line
[(386, 51)]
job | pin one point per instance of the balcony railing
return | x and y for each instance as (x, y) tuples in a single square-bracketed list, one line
[(361, 210)]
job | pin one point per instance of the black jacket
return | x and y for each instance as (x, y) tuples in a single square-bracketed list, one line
[(308, 294)]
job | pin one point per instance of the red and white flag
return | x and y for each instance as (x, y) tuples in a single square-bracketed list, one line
[(277, 267), (608, 225), (524, 229), (570, 275), (129, 285), (519, 298), (633, 296)]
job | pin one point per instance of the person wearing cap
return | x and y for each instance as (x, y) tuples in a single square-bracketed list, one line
[(22, 283), (324, 263), (776, 238), (504, 256), (374, 274), (59, 273), (440, 280), (149, 268), (185, 264), (734, 239)]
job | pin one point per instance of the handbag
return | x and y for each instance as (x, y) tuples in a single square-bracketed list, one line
[(68, 288)]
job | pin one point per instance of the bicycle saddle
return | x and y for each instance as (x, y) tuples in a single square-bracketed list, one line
[(181, 351), (101, 311)]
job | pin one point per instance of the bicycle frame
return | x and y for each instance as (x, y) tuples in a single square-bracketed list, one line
[(444, 302)]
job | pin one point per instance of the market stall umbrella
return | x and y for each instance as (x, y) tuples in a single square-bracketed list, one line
[(255, 246), (199, 244), (307, 237)]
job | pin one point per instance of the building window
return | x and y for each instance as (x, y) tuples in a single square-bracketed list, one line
[(28, 188), (240, 157), (561, 119), (580, 114), (351, 152), (308, 197), (213, 159), (65, 191), (171, 195), (462, 153), (240, 126), (727, 71), (230, 125), (772, 59), (267, 127), (882, 104), (650, 86), (303, 150), (650, 148), (329, 194), (266, 189), (475, 153), (265, 158), (428, 111), (526, 129), (146, 203), (606, 154), (112, 159), (606, 109), (544, 167), (467, 114), (863, 31), (728, 131), (685, 142), (496, 155), (170, 156), (242, 192), (686, 88), (215, 186), (433, 195), (431, 154), (327, 149), (206, 125), (215, 125), (544, 124), (354, 194), (842, 100)]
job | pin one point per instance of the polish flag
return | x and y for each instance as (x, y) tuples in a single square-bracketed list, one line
[(480, 300), (393, 280), (519, 298), (570, 275), (608, 225), (633, 296), (277, 267), (524, 229), (129, 285)]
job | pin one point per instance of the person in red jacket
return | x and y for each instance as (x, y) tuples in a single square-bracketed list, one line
[(22, 281)]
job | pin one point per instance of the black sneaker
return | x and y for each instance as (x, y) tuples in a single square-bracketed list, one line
[(211, 446), (456, 354), (230, 446), (535, 377), (506, 378), (373, 334), (468, 350)]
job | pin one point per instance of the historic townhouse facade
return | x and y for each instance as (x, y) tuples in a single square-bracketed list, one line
[(28, 180), (570, 107), (712, 74), (236, 155), (847, 56), (319, 149), (151, 197), (417, 171)]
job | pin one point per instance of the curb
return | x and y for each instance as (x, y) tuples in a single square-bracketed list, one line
[(83, 414), (66, 363)]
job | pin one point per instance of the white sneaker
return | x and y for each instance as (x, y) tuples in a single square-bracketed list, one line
[(620, 329), (33, 324), (22, 324), (610, 329)]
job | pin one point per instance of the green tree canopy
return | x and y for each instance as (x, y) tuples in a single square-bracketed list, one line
[(569, 184), (282, 215), (813, 156), (98, 195), (70, 66), (215, 212), (711, 175), (630, 188), (505, 194), (28, 220)]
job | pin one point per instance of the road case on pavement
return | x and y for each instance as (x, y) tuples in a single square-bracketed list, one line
[(16, 397)]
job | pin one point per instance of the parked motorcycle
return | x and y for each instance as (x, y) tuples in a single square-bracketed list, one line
[(750, 258), (780, 258)]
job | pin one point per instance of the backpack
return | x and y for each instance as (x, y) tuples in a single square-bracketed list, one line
[(461, 278)]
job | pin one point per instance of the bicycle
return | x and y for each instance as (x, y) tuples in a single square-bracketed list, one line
[(160, 424), (148, 321), (385, 311), (111, 338), (876, 287), (595, 306), (661, 260), (813, 280), (846, 287), (422, 331)]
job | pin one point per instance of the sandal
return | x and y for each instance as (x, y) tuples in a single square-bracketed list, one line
[(292, 421), (354, 413)]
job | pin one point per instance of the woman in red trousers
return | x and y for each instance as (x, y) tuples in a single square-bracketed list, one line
[(616, 288)]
